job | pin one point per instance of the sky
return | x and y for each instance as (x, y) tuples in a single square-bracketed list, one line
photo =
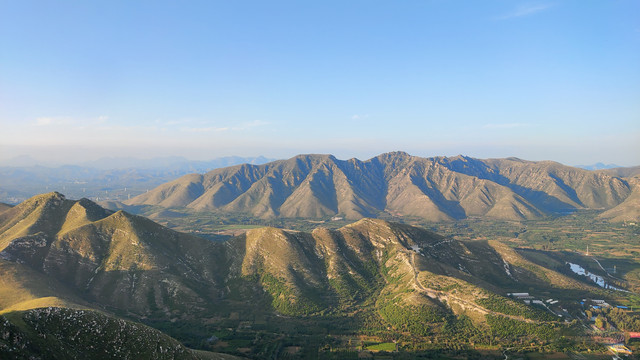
[(540, 80)]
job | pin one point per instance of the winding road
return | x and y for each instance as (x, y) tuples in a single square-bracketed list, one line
[(441, 295)]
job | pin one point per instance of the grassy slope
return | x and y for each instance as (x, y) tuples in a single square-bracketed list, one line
[(22, 288)]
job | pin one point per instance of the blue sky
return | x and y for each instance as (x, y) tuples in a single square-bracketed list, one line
[(556, 80)]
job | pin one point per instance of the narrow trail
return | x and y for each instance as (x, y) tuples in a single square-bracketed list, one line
[(605, 270), (440, 295)]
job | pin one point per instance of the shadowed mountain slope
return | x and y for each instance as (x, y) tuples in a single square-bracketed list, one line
[(130, 263), (4, 207), (60, 252), (396, 184), (399, 266), (114, 259), (59, 333), (23, 288), (55, 333), (629, 209), (59, 258)]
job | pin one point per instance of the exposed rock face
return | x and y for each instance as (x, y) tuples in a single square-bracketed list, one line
[(629, 209), (438, 188)]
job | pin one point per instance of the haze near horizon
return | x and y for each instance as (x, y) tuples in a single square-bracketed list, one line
[(554, 80)]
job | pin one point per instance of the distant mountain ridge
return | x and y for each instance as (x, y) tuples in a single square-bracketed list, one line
[(394, 184), (106, 178), (598, 166), (116, 163)]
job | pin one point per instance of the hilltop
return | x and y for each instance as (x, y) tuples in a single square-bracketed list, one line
[(129, 263), (76, 254), (110, 258), (61, 260), (394, 185)]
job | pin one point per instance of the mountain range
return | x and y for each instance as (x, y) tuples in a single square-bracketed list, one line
[(169, 163), (74, 254), (399, 185), (598, 166), (106, 178)]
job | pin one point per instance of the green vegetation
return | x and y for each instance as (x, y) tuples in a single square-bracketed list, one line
[(389, 346), (621, 319), (416, 319), (285, 301), (285, 294), (506, 306), (509, 329), (461, 329)]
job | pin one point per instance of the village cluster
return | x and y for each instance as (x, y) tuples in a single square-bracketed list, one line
[(613, 338)]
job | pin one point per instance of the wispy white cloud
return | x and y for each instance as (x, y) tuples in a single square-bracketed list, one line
[(80, 123), (47, 121), (505, 126), (43, 121), (208, 126), (359, 117), (204, 129), (174, 122), (525, 10), (250, 125)]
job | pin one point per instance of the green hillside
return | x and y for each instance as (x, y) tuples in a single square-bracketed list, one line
[(113, 259), (271, 287)]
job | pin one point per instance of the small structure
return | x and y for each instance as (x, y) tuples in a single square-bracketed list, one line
[(620, 349), (634, 335), (521, 296)]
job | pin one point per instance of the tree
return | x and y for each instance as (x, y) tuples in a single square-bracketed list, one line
[(601, 322)]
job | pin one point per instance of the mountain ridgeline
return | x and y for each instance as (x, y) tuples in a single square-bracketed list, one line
[(76, 254), (395, 185), (371, 275), (67, 267), (118, 260)]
